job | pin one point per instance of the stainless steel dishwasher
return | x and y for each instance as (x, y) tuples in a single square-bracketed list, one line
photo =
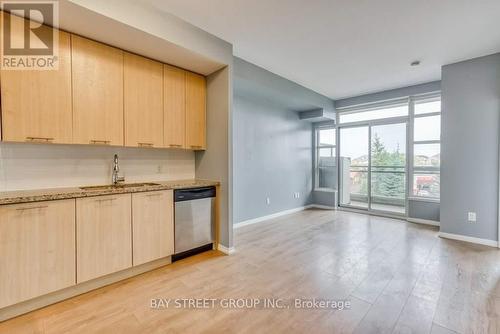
[(194, 221)]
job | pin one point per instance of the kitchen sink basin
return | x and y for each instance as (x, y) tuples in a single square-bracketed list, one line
[(119, 186)]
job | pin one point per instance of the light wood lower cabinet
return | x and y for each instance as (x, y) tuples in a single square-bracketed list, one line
[(153, 226), (104, 235), (37, 249), (54, 245)]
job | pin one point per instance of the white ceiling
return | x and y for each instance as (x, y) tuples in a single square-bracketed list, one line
[(75, 18), (342, 48)]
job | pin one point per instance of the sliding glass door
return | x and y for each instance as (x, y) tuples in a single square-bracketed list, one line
[(388, 168), (354, 167), (372, 173)]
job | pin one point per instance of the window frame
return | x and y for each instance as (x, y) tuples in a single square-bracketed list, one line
[(361, 108), (416, 170), (317, 147)]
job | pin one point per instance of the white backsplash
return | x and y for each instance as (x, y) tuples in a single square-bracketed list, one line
[(38, 166)]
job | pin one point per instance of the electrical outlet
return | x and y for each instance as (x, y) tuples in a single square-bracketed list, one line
[(472, 217), (159, 169), (268, 201), (296, 195)]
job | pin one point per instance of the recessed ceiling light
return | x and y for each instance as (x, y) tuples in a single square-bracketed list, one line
[(415, 63)]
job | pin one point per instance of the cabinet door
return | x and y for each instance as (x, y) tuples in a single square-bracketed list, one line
[(97, 71), (37, 249), (36, 105), (174, 104), (195, 111), (143, 104), (153, 225), (104, 235)]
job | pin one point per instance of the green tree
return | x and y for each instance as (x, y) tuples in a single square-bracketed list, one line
[(387, 179)]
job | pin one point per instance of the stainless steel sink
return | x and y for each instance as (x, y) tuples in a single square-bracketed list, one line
[(119, 186)]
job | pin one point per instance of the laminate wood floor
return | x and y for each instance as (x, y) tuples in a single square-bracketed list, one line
[(399, 278)]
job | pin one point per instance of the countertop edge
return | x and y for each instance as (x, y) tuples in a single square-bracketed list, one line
[(24, 196)]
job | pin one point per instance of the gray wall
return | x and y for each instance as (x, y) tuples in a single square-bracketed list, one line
[(469, 159), (325, 198), (424, 210), (272, 147), (272, 159), (215, 163)]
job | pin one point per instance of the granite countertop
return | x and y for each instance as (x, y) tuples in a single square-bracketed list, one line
[(39, 195)]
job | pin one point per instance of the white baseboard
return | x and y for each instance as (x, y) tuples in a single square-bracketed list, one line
[(423, 221), (225, 250), (324, 207), (281, 213), (271, 216), (479, 241)]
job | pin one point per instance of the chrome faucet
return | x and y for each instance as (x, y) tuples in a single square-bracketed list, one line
[(116, 178)]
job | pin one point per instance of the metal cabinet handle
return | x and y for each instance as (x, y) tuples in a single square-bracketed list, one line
[(196, 146), (32, 208), (154, 195), (102, 142), (174, 145), (42, 139), (106, 200), (146, 144)]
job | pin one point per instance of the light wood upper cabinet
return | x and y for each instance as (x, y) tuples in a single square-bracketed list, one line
[(97, 71), (153, 225), (104, 235), (104, 96), (36, 105), (143, 101), (37, 249), (195, 111), (174, 106)]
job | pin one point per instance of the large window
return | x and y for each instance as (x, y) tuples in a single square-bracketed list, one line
[(418, 176), (325, 158), (426, 148)]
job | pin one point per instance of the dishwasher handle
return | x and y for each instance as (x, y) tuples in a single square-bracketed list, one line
[(193, 194)]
